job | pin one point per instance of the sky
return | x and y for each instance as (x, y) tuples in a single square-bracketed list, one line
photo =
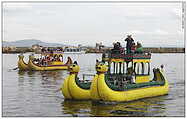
[(152, 24)]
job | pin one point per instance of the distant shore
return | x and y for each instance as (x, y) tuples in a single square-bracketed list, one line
[(152, 50), (94, 50), (165, 50), (16, 50)]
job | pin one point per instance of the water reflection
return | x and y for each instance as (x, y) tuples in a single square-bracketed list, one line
[(21, 73), (76, 108), (45, 83), (135, 108), (145, 107), (44, 76), (31, 73), (54, 75)]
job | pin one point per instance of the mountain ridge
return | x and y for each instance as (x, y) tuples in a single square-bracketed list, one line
[(29, 43)]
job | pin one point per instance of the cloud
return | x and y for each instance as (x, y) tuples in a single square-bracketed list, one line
[(136, 32), (16, 6), (90, 23), (155, 32), (161, 32)]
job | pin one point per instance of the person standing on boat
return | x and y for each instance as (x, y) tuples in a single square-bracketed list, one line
[(129, 40)]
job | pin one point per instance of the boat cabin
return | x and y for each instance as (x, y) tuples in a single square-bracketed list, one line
[(129, 68)]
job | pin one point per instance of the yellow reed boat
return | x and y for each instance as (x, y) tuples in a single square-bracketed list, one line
[(126, 77), (120, 77), (21, 64), (54, 65), (73, 88)]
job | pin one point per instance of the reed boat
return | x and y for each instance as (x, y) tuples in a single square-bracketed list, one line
[(73, 87), (126, 77), (55, 65), (120, 77), (21, 64)]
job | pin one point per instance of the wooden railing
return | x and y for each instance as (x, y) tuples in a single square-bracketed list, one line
[(144, 55)]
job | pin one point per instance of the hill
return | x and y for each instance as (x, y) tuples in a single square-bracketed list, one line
[(29, 43)]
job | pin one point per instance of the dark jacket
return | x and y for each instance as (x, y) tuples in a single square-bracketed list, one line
[(129, 42)]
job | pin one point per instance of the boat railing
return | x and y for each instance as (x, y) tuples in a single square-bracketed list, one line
[(144, 55)]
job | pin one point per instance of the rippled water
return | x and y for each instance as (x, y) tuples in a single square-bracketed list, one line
[(33, 93)]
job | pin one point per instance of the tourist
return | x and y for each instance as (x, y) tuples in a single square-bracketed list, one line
[(133, 48), (35, 61), (42, 61), (61, 58), (129, 40), (113, 50), (45, 61), (58, 59), (117, 47), (48, 59), (139, 48), (130, 75)]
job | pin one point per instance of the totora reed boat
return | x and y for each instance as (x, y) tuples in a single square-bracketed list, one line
[(126, 77), (120, 77), (48, 61)]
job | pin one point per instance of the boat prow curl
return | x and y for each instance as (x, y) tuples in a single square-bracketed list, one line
[(73, 87), (21, 64)]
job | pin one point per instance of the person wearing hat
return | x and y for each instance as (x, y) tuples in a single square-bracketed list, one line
[(130, 41)]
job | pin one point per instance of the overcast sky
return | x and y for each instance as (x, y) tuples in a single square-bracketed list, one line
[(153, 24)]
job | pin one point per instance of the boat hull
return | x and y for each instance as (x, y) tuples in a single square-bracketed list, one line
[(105, 93), (94, 88), (71, 90)]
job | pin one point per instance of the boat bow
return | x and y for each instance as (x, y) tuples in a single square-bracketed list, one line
[(21, 64)]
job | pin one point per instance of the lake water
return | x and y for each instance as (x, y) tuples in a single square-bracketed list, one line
[(33, 93)]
